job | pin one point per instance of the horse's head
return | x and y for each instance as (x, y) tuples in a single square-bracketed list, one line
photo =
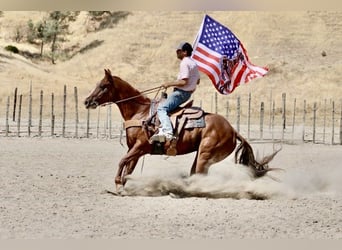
[(103, 92)]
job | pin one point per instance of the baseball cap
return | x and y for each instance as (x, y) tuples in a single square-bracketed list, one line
[(185, 46)]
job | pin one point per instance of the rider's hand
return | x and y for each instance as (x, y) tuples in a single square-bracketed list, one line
[(165, 85)]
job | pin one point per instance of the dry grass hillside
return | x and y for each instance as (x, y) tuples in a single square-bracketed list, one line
[(140, 49)]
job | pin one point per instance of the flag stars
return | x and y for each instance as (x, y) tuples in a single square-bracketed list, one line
[(219, 38)]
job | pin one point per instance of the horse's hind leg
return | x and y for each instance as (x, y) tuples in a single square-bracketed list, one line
[(200, 165), (203, 163), (210, 152)]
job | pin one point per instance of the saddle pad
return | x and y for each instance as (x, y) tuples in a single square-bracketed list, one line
[(195, 123)]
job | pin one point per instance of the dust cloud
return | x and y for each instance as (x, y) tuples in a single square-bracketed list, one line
[(236, 181)]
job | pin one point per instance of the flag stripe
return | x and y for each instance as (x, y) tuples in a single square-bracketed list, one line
[(239, 73), (208, 62), (210, 75), (208, 53), (207, 65)]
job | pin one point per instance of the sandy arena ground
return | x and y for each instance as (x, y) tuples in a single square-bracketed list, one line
[(55, 189)]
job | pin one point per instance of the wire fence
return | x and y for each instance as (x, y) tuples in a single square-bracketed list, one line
[(63, 116)]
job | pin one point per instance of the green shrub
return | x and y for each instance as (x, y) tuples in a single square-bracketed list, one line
[(12, 48)]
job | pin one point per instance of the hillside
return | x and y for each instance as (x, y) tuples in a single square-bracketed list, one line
[(140, 49)]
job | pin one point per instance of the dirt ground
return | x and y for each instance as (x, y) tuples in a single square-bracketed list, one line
[(55, 188)]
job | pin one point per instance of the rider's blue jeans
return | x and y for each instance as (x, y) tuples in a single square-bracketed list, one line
[(176, 98)]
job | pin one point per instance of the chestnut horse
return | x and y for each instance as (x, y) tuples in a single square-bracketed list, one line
[(213, 143)]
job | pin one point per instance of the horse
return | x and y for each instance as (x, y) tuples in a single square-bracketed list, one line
[(212, 143)]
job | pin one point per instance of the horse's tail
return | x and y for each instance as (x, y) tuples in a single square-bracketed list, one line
[(247, 157)]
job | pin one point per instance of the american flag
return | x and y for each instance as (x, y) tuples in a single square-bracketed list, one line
[(220, 55)]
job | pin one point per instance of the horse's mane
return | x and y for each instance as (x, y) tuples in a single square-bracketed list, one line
[(124, 86)]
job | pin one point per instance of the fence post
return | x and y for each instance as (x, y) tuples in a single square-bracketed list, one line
[(227, 110), (341, 124), (272, 119), (271, 103), (7, 115), (249, 116), (15, 103), (52, 114), (88, 117), (40, 114), (238, 114), (64, 110), (110, 121), (98, 122), (216, 102), (324, 118), (30, 112), (333, 122), (76, 112), (262, 110), (283, 115), (294, 117), (19, 115), (106, 123), (304, 114), (314, 123)]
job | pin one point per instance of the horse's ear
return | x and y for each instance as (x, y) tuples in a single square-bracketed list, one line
[(108, 73)]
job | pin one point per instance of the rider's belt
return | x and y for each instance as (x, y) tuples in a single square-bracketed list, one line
[(184, 90)]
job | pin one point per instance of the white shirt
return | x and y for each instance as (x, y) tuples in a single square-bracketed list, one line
[(188, 69)]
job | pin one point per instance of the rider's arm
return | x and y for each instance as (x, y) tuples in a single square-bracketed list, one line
[(178, 83)]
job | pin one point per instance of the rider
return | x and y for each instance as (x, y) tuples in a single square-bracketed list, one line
[(184, 86)]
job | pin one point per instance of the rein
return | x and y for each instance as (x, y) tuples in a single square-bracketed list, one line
[(147, 91)]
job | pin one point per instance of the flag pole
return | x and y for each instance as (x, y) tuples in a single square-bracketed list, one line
[(195, 43)]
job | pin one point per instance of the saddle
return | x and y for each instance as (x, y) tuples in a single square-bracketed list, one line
[(189, 117), (184, 117)]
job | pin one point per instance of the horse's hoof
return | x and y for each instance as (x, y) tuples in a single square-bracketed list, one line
[(118, 192), (119, 188)]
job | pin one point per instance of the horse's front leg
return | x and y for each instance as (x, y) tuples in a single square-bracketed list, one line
[(127, 165), (123, 171)]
